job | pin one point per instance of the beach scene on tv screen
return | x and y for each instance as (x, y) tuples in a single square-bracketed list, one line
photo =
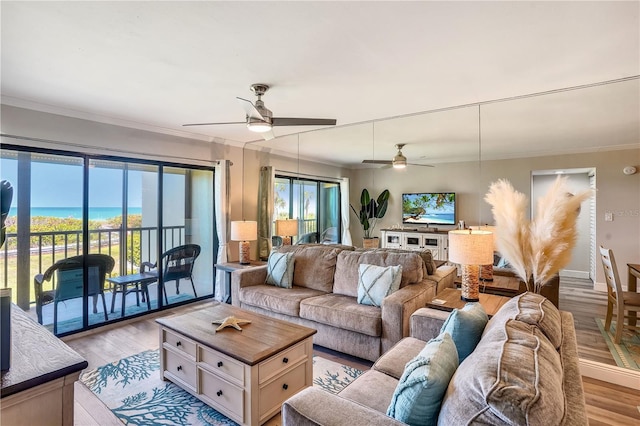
[(429, 208)]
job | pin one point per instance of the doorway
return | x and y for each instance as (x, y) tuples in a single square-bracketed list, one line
[(583, 260)]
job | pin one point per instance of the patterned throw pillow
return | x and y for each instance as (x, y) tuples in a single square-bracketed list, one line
[(465, 327), (280, 269), (377, 282), (418, 396)]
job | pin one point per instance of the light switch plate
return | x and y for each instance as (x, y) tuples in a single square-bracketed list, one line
[(608, 217)]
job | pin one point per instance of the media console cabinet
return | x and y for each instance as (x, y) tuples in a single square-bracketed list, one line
[(246, 375), (38, 388), (417, 239)]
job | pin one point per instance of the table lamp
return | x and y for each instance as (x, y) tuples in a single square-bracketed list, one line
[(486, 271), (470, 248), (286, 228), (244, 231)]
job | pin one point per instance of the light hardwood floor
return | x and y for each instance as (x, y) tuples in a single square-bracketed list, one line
[(606, 404)]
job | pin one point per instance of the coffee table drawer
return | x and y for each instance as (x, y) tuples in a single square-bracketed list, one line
[(180, 367), (179, 343), (222, 393), (222, 365), (281, 362), (283, 387)]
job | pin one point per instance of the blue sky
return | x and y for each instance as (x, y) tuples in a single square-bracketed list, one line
[(60, 185)]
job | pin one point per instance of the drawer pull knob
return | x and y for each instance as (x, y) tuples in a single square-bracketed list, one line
[(285, 360), (179, 368), (285, 386), (219, 364), (178, 343), (219, 393)]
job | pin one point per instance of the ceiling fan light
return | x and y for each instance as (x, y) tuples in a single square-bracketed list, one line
[(399, 161), (258, 126)]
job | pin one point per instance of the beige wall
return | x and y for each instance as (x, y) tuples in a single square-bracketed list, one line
[(616, 192)]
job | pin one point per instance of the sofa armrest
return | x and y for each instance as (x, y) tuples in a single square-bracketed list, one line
[(426, 323), (245, 278), (443, 277), (315, 407), (398, 307)]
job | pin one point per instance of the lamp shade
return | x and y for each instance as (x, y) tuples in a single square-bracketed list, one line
[(244, 230), (490, 228), (287, 228), (471, 247)]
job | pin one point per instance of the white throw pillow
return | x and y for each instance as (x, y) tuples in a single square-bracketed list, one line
[(377, 282), (280, 269)]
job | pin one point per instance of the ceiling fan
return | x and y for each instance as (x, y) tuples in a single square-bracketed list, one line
[(398, 162), (260, 119)]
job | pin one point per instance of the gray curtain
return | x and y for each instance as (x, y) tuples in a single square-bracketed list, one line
[(265, 211)]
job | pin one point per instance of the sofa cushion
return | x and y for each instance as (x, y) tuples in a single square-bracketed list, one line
[(393, 361), (532, 309), (276, 299), (360, 391), (343, 312), (315, 265), (513, 377), (418, 396), (465, 327), (348, 263), (280, 269), (377, 282)]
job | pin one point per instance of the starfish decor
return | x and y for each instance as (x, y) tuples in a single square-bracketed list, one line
[(230, 322)]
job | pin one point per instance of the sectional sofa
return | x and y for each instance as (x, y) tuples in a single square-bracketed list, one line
[(523, 371), (324, 296)]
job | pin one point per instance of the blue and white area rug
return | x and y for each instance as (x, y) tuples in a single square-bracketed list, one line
[(134, 392), (627, 353)]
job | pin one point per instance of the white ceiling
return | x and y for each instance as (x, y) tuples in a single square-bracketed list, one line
[(158, 65)]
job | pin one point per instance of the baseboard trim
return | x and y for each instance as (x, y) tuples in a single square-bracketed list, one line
[(610, 373), (574, 274)]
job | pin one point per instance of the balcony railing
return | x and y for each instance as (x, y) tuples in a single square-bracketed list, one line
[(48, 247)]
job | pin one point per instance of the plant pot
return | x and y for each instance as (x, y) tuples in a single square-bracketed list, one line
[(371, 243)]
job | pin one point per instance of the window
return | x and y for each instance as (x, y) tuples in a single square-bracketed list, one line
[(68, 204), (315, 203)]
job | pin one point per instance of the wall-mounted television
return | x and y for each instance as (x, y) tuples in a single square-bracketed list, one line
[(429, 208)]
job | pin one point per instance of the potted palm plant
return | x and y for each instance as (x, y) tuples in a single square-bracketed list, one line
[(370, 211)]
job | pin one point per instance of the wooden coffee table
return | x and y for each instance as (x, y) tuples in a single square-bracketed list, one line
[(246, 375), (450, 298)]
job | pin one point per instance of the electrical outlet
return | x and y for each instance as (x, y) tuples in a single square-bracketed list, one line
[(608, 217)]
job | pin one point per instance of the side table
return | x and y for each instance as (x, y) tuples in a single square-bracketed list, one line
[(449, 299), (228, 268)]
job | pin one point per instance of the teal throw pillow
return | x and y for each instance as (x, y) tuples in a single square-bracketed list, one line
[(280, 269), (418, 396), (465, 327), (377, 282)]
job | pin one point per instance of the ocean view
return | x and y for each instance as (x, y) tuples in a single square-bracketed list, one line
[(95, 213)]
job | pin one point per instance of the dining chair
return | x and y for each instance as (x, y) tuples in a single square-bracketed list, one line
[(177, 264), (69, 283), (624, 301)]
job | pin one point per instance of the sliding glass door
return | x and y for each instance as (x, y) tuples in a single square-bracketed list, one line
[(316, 205), (122, 233)]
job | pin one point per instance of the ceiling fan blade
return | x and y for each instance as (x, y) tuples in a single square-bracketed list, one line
[(377, 162), (213, 124), (250, 109), (268, 135), (287, 121), (423, 165)]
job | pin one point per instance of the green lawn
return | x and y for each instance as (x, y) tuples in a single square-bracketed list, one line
[(47, 261)]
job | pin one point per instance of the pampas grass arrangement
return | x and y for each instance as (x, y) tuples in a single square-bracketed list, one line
[(539, 248)]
